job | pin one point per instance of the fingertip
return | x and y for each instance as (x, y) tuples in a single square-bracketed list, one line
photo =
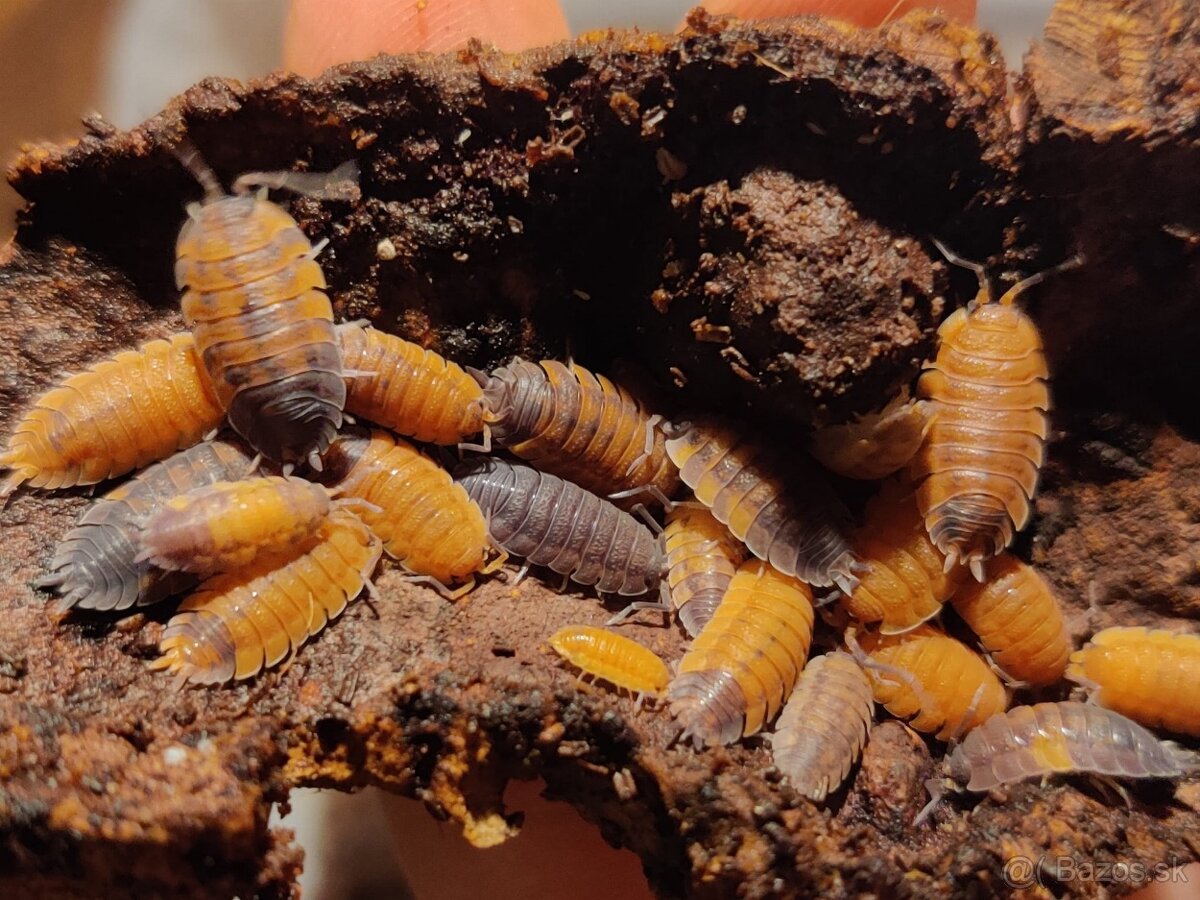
[(322, 33)]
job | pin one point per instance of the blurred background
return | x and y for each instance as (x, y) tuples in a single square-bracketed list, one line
[(60, 59)]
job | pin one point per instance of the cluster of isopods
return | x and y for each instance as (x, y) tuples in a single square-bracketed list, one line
[(273, 557)]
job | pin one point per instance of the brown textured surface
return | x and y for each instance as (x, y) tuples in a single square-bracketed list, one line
[(110, 783)]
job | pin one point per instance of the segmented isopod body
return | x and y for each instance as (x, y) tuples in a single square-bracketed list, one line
[(741, 668), (939, 684), (1067, 736), (904, 579), (224, 526), (612, 657), (797, 528), (95, 565), (558, 524), (255, 300), (425, 520), (702, 557), (577, 425), (823, 727), (875, 445), (119, 415), (1147, 674), (1019, 621), (239, 623), (409, 389), (978, 467)]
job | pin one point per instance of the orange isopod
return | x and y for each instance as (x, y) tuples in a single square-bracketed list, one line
[(254, 297), (940, 685), (224, 526), (425, 519), (1019, 621), (239, 623), (741, 668), (978, 469), (612, 657), (904, 580), (119, 415), (1147, 674), (580, 426), (875, 445), (409, 389)]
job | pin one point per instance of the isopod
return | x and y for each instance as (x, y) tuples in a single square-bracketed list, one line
[(240, 622), (95, 565), (742, 666), (823, 727), (904, 579), (977, 470), (612, 657), (1019, 621), (116, 416), (1147, 674), (702, 558), (409, 389), (1046, 738), (940, 685), (225, 525), (577, 425), (875, 445), (425, 520), (254, 298), (797, 528), (555, 523)]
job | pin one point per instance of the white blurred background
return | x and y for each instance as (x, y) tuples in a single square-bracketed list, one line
[(125, 59)]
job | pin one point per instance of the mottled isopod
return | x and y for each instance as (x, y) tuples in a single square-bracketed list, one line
[(409, 389), (224, 526), (1150, 675), (558, 524), (254, 297), (875, 445), (903, 580), (425, 520), (119, 415), (823, 727), (239, 623), (797, 527), (94, 565), (940, 685), (743, 665), (1019, 621), (612, 657), (578, 425)]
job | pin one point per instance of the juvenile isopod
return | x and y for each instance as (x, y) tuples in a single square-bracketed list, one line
[(823, 727), (742, 666), (612, 657), (797, 527), (409, 389), (254, 298), (224, 526), (1150, 675), (577, 425), (903, 580), (874, 445), (425, 520), (95, 565), (116, 416), (555, 523), (1019, 621), (977, 470), (240, 622), (1047, 738), (940, 685)]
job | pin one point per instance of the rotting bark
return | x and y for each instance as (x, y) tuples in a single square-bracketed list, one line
[(747, 205)]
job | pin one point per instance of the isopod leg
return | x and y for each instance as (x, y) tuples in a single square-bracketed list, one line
[(521, 573), (448, 593), (963, 724), (639, 510), (637, 606), (653, 490), (485, 447), (648, 449), (937, 788), (496, 564)]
